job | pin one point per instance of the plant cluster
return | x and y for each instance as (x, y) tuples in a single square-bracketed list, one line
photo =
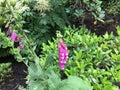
[(91, 57), (112, 6), (80, 8), (5, 71), (11, 21), (39, 78), (42, 24)]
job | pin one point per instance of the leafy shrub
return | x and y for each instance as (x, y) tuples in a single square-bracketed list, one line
[(94, 58), (112, 6), (80, 8), (5, 71), (5, 45), (43, 26), (38, 78), (10, 13), (48, 80)]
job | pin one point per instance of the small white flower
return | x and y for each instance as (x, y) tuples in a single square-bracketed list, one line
[(42, 5), (62, 58), (64, 61), (1, 1), (62, 54), (19, 7), (61, 61)]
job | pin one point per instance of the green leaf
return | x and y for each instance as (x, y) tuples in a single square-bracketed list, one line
[(118, 30), (75, 83), (43, 21), (49, 59), (36, 86)]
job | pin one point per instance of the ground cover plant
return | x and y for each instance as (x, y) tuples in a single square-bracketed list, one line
[(94, 58), (112, 6), (5, 71)]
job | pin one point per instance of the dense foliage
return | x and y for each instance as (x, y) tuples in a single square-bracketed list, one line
[(43, 26), (112, 6), (5, 71), (28, 29), (94, 58), (80, 8)]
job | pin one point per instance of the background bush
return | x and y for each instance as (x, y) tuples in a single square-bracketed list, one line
[(43, 26), (78, 10), (112, 6), (94, 58)]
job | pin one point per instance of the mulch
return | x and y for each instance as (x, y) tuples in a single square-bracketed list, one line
[(100, 28)]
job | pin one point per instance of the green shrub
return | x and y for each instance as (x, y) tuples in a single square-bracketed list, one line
[(5, 71), (81, 8), (94, 58), (112, 6), (43, 26), (50, 80), (10, 17), (5, 45)]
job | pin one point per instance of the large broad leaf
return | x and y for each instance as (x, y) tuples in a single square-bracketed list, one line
[(75, 83), (36, 86)]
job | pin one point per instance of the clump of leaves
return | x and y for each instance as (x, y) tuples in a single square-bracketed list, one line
[(42, 27), (48, 80), (5, 71), (5, 45), (94, 58), (11, 18), (79, 9), (112, 6)]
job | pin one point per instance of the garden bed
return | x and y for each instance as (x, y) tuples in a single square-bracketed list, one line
[(25, 28), (19, 70)]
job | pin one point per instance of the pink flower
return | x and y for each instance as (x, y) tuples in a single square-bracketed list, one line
[(20, 47), (63, 54), (9, 31), (13, 36), (17, 39), (62, 66)]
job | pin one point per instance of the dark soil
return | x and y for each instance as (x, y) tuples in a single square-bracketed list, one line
[(100, 28), (17, 78)]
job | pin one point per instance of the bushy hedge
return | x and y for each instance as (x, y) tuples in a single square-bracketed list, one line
[(94, 58)]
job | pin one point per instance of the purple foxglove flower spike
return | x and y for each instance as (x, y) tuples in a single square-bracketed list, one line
[(13, 36), (9, 31), (63, 54), (20, 47)]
